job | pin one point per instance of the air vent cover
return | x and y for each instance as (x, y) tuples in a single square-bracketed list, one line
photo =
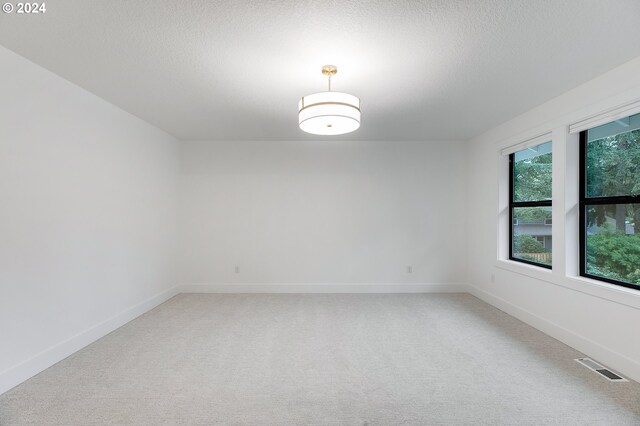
[(602, 370)]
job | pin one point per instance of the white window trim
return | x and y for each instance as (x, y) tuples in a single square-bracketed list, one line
[(607, 116), (524, 144)]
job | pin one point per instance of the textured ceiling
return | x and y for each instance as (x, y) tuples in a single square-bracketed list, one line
[(236, 69)]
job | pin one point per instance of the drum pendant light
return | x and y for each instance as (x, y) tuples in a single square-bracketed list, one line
[(329, 113)]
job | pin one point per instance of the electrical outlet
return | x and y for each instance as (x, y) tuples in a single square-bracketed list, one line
[(237, 269), (409, 269), (493, 278)]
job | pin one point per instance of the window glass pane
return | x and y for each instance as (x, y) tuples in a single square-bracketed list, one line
[(532, 234), (532, 173), (613, 242), (613, 158)]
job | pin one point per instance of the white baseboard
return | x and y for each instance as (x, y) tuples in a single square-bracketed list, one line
[(45, 359), (324, 288), (618, 362)]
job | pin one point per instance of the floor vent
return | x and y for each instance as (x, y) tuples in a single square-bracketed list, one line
[(602, 370)]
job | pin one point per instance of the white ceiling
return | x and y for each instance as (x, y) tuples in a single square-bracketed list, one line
[(438, 69)]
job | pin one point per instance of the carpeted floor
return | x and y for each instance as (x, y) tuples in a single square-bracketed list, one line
[(339, 359)]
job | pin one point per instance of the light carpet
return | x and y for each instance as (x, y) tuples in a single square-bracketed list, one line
[(322, 359)]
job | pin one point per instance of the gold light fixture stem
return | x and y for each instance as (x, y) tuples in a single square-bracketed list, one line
[(329, 71)]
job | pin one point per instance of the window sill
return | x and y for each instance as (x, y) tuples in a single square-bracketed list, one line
[(610, 292), (532, 271)]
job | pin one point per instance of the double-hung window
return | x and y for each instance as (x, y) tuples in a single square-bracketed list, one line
[(530, 205), (610, 202)]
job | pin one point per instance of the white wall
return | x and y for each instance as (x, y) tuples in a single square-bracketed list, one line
[(87, 217), (599, 319), (322, 212)]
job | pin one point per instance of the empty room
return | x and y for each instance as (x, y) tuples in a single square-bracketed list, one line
[(320, 213)]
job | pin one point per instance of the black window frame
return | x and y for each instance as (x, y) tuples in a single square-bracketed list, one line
[(513, 204), (591, 201)]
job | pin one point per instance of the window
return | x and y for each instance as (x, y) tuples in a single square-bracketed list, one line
[(610, 202), (530, 205)]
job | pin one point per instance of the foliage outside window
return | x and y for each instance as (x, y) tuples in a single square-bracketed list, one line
[(530, 205), (610, 202)]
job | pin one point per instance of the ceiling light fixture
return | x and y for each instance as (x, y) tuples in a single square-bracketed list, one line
[(329, 113)]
